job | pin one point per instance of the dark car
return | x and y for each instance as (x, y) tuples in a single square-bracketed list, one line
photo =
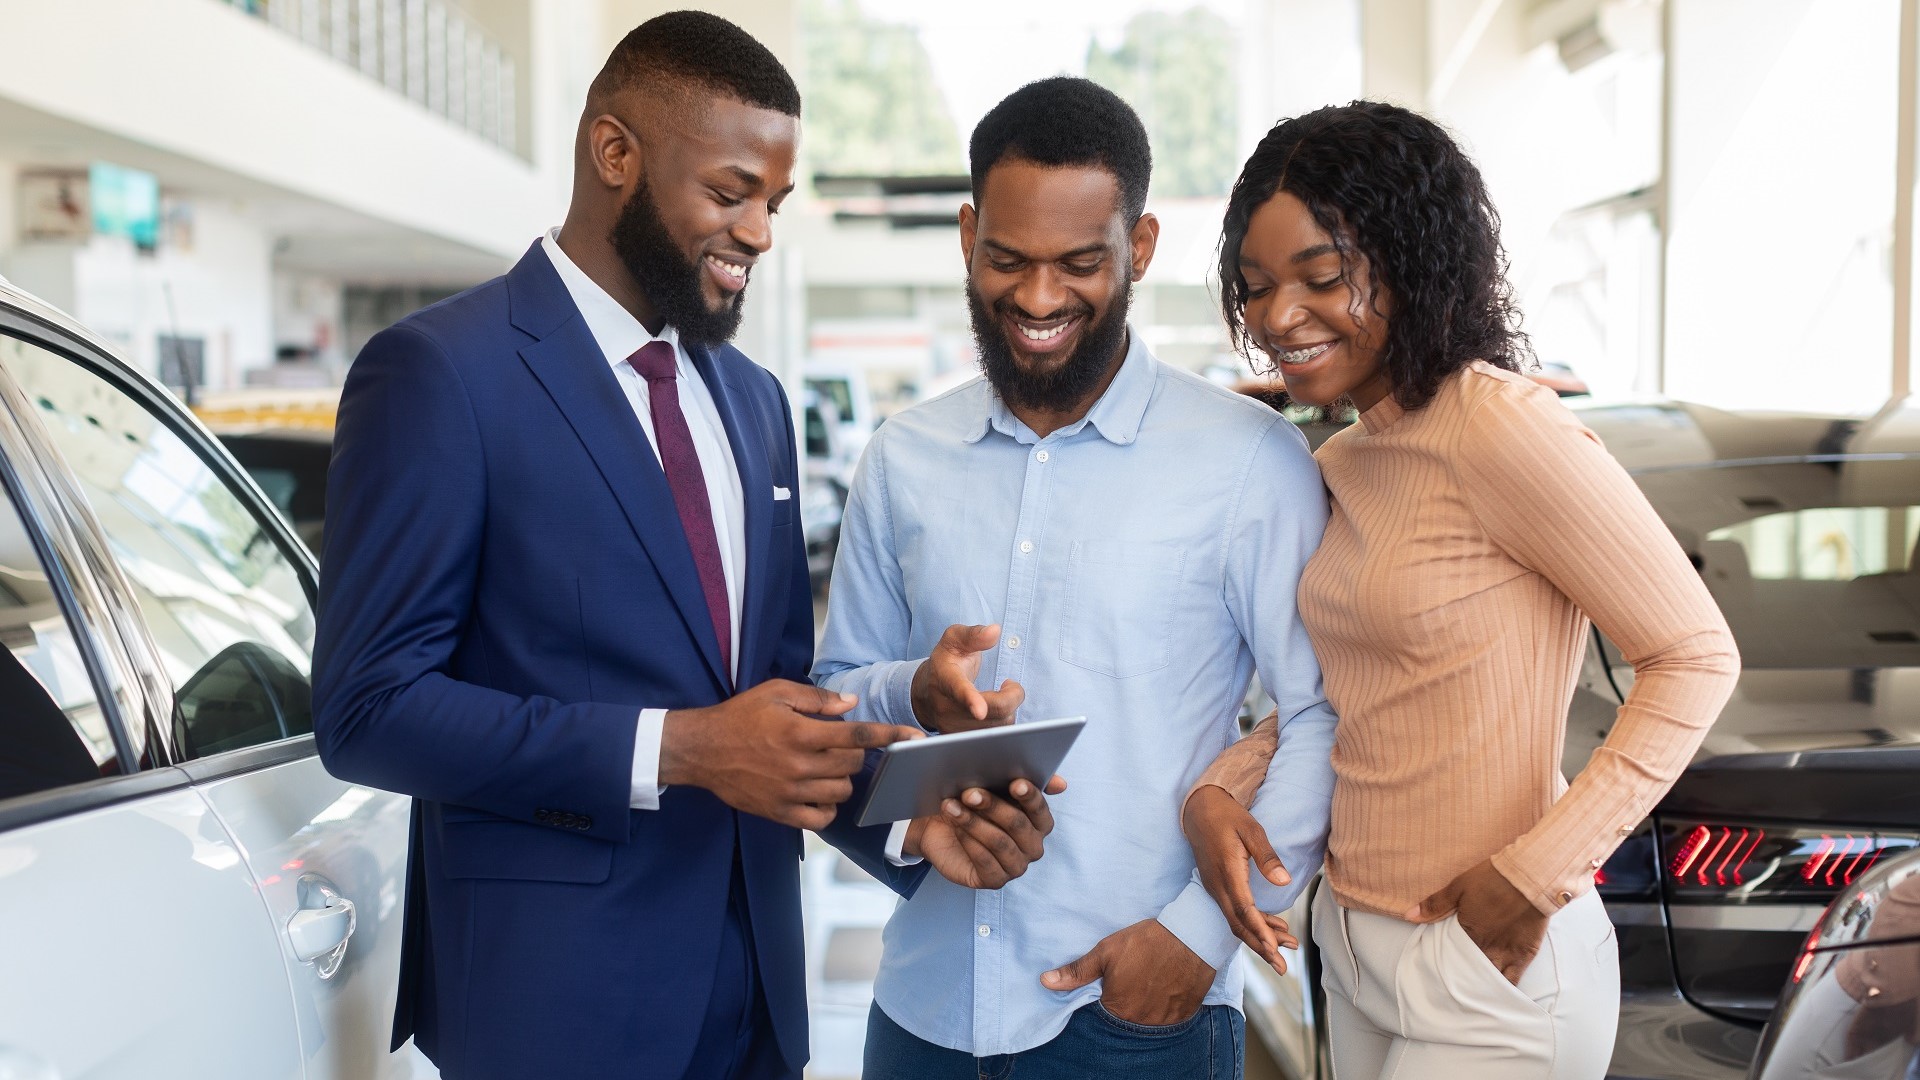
[(1852, 1004), (1804, 529), (291, 468)]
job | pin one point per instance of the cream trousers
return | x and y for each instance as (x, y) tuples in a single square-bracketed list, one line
[(1422, 1002)]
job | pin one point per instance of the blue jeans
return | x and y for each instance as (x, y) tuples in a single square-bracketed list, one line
[(1210, 1046)]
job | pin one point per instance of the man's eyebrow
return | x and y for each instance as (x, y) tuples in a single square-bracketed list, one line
[(745, 176), (1076, 253)]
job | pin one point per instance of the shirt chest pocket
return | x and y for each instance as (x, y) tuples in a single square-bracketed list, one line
[(1119, 605)]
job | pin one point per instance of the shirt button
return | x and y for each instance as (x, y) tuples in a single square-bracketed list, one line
[(1013, 642), (1566, 898), (1596, 864), (1626, 830), (1026, 546), (1041, 457), (985, 929)]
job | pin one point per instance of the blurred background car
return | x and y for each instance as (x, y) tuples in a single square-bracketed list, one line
[(290, 465)]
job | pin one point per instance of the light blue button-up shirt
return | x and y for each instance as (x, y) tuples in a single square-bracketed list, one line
[(1142, 563)]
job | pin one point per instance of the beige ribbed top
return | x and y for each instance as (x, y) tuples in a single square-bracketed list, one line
[(1470, 542)]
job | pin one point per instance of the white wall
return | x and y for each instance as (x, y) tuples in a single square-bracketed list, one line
[(220, 290), (309, 312), (9, 209), (1779, 285), (206, 82)]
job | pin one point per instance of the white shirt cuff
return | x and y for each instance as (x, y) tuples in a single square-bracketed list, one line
[(646, 760), (897, 843)]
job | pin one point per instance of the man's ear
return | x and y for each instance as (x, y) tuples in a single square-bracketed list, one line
[(614, 150), (1145, 237), (969, 226)]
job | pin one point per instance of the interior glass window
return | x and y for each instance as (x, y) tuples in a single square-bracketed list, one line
[(222, 602), (52, 731)]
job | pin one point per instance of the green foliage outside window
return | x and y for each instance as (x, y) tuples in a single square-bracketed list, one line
[(1179, 70), (872, 106)]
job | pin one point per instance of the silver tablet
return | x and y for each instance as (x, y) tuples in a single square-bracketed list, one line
[(915, 776)]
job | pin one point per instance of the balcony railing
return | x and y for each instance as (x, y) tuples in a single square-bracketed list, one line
[(425, 50)]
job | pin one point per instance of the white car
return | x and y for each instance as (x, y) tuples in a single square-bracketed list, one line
[(184, 891)]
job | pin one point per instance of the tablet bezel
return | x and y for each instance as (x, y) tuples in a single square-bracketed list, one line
[(914, 777)]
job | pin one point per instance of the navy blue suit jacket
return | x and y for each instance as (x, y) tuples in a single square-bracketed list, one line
[(506, 584)]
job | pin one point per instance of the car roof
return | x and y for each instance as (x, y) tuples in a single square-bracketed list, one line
[(20, 302), (1653, 434)]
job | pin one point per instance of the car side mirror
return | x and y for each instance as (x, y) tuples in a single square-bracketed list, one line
[(246, 695)]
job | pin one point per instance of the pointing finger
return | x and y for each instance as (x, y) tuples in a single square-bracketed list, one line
[(815, 700), (965, 640), (1003, 703), (862, 734)]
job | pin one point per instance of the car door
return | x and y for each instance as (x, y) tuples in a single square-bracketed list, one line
[(133, 944), (223, 614)]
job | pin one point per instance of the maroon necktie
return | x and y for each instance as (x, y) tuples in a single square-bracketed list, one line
[(655, 363)]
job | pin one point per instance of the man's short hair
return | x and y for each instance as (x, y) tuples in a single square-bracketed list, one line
[(687, 50), (1066, 121)]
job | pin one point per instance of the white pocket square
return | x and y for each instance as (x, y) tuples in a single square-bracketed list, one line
[(781, 494)]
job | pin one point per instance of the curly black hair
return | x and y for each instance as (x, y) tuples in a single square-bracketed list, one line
[(683, 49), (1066, 121), (1394, 188)]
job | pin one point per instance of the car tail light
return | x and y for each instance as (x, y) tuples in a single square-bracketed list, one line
[(1758, 863)]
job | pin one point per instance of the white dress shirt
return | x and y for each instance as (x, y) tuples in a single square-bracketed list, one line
[(619, 336)]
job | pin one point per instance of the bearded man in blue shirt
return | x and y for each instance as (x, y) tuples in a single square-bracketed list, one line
[(1084, 531)]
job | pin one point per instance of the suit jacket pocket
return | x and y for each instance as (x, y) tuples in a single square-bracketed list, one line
[(504, 849)]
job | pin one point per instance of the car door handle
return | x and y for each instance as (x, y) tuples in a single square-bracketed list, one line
[(322, 927), (20, 1065)]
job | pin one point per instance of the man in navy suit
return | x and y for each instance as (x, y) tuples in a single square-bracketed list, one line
[(565, 606)]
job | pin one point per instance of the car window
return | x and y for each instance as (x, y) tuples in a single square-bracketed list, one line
[(817, 444), (1812, 562), (223, 603), (52, 730)]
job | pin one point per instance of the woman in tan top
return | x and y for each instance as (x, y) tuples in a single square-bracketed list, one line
[(1476, 528)]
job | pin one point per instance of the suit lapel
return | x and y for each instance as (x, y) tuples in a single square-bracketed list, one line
[(756, 490), (571, 367)]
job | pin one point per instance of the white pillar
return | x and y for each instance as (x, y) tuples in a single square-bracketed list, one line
[(1395, 51), (1900, 384), (1274, 84)]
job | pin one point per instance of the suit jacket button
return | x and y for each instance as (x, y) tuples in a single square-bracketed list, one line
[(543, 816), (583, 823)]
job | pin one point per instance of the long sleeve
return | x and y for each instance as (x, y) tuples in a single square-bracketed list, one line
[(1275, 529), (404, 529), (1550, 496), (1242, 768), (866, 580), (868, 619)]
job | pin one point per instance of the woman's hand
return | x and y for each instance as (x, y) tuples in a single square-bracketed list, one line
[(1224, 837), (1496, 916)]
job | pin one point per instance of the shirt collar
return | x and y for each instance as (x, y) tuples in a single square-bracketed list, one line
[(613, 327), (1381, 415), (1116, 416)]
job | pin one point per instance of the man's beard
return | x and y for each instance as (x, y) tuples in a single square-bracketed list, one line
[(671, 281), (1060, 387)]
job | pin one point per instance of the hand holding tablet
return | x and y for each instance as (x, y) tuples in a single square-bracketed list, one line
[(914, 777)]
